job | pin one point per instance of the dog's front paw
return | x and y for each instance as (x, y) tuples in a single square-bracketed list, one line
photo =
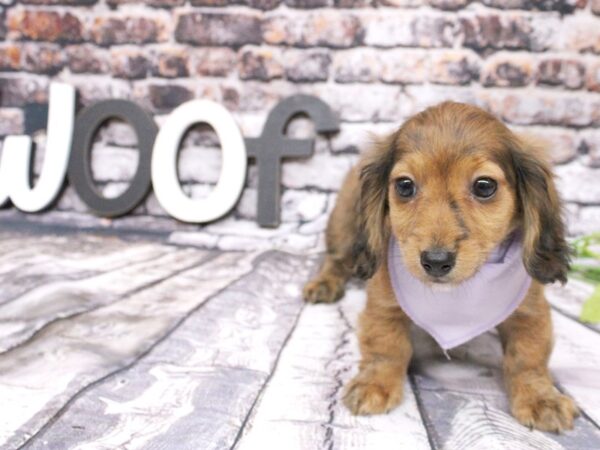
[(324, 289), (369, 394), (551, 411)]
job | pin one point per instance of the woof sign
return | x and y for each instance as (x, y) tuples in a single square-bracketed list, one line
[(69, 143)]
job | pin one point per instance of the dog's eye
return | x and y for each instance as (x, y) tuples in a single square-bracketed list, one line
[(484, 187), (405, 187)]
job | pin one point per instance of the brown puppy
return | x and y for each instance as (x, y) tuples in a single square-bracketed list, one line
[(439, 158)]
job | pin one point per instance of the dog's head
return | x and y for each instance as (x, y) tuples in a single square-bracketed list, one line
[(451, 184)]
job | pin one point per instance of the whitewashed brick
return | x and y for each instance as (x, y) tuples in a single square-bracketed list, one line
[(311, 172), (578, 183), (113, 163), (11, 121), (199, 165), (588, 220), (302, 206), (358, 137), (378, 103)]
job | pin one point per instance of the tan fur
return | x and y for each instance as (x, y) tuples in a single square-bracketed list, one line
[(444, 149)]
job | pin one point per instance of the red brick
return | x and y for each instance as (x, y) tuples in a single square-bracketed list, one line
[(307, 4), (451, 5), (22, 90), (93, 88), (213, 61), (260, 63), (353, 3), (506, 69), (252, 96), (166, 97), (127, 30), (496, 30), (10, 57), (306, 66), (43, 58), (42, 25), (569, 73), (435, 30), (402, 3), (60, 2), (454, 67), (261, 4), (258, 4), (129, 63), (308, 29), (171, 63), (218, 29), (562, 6), (158, 3), (361, 65), (209, 2), (87, 59), (593, 76)]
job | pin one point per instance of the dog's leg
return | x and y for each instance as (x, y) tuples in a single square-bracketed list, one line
[(527, 342), (328, 285), (386, 351)]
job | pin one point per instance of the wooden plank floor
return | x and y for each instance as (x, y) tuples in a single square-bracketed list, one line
[(111, 343)]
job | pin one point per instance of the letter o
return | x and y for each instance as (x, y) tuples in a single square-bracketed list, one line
[(164, 163), (80, 167)]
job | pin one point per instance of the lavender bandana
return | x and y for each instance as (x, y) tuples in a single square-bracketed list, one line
[(453, 315)]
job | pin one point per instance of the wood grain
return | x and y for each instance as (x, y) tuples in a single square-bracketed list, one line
[(466, 402), (107, 343), (194, 389), (301, 406), (38, 378)]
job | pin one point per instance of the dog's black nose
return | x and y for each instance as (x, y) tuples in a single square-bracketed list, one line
[(437, 262)]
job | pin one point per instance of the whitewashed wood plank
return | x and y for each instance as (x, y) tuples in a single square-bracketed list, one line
[(301, 406), (195, 388), (18, 251), (575, 363), (465, 402), (569, 299), (22, 317), (58, 264), (37, 379)]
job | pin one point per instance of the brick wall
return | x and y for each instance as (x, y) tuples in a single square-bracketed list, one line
[(536, 64)]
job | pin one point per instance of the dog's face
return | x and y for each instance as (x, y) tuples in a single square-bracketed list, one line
[(451, 184), (449, 207)]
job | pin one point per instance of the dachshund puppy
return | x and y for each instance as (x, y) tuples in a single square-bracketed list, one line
[(445, 191)]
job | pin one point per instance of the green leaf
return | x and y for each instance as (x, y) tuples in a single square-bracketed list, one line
[(591, 308), (582, 246), (587, 273)]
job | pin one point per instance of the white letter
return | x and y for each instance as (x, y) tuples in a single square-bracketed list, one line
[(164, 163), (16, 156)]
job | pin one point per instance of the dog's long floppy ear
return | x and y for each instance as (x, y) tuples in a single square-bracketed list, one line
[(546, 254), (372, 208)]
